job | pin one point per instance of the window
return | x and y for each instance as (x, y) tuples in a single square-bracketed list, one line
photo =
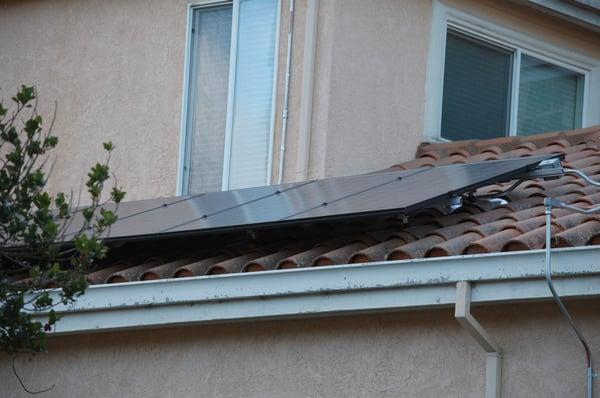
[(479, 79), (485, 80), (229, 112)]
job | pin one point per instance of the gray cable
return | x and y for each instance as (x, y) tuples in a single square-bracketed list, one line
[(549, 203)]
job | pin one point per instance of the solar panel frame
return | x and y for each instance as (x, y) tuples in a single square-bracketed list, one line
[(377, 194)]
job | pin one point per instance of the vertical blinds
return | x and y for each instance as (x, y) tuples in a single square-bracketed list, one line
[(477, 96), (253, 93), (476, 90), (550, 97), (207, 98), (249, 115)]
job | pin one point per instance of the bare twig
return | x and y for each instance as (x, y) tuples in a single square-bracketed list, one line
[(14, 369)]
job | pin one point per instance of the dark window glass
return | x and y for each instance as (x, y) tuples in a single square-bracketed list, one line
[(550, 97), (476, 99)]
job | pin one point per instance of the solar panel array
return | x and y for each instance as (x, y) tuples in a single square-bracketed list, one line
[(397, 192)]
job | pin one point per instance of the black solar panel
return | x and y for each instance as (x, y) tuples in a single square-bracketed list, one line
[(398, 192)]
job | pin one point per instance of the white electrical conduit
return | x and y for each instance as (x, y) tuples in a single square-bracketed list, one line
[(306, 91), (549, 203), (286, 92)]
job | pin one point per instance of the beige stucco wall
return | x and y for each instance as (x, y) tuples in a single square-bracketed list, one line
[(423, 354), (371, 75), (115, 69)]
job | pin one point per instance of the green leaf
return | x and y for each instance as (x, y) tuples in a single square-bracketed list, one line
[(108, 146)]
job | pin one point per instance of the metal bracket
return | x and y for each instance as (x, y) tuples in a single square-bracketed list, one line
[(454, 204)]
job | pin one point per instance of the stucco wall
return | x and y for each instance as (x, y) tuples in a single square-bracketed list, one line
[(424, 354), (371, 75), (115, 69)]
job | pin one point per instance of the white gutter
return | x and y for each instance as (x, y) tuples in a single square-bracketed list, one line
[(393, 285)]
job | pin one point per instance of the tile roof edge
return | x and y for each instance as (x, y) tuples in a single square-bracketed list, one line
[(413, 284), (443, 149)]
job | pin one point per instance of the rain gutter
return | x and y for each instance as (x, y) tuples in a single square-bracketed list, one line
[(344, 289)]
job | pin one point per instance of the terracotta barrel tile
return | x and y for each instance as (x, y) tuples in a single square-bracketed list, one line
[(454, 159), (415, 164), (452, 231), (132, 273), (528, 224), (420, 231), (571, 220), (571, 158), (586, 131), (460, 152), (528, 146), (379, 251), (380, 235), (305, 258), (234, 264), (525, 214), (556, 213), (566, 189), (165, 270), (577, 236), (492, 189), (591, 171), (200, 267), (595, 240), (430, 154), (521, 193), (516, 153), (535, 239), (588, 200), (590, 189), (492, 149), (571, 198), (490, 228), (567, 179), (587, 161), (100, 276), (268, 262), (562, 142), (571, 149), (339, 256), (534, 184), (453, 246), (489, 216), (441, 149), (492, 243), (500, 141), (416, 249), (517, 205), (482, 157), (452, 219)]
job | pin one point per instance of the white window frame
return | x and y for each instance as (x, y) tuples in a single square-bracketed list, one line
[(182, 174), (445, 18)]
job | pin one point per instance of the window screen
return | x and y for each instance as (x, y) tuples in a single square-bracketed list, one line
[(476, 89), (207, 98), (252, 108), (550, 97)]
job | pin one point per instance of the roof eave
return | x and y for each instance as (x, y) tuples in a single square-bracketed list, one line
[(345, 289)]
